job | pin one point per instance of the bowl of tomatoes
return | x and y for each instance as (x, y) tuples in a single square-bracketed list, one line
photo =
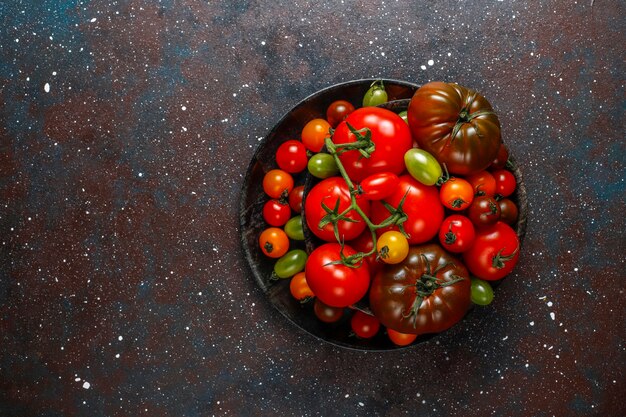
[(363, 230)]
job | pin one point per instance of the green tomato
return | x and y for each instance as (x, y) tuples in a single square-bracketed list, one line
[(482, 293), (404, 116), (293, 228), (422, 166), (290, 263), (322, 165), (375, 95)]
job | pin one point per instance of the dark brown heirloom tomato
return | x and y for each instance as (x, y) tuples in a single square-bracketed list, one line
[(455, 124), (426, 293)]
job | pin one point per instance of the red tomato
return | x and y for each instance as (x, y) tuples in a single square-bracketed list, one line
[(505, 182), (508, 211), (495, 252), (326, 313), (390, 135), (379, 186), (291, 156), (365, 244), (364, 325), (277, 183), (338, 111), (276, 213), (314, 134), (457, 233), (483, 183), (501, 158), (456, 194), (336, 285), (274, 242), (295, 198), (299, 288), (329, 192), (421, 205), (484, 211), (401, 339)]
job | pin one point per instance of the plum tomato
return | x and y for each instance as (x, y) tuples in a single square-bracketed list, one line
[(338, 111), (389, 134), (483, 183), (274, 242), (314, 133), (457, 233), (290, 263), (322, 165), (392, 247), (295, 198), (294, 229), (484, 211), (375, 95), (421, 205), (495, 252), (291, 156), (505, 182), (299, 288), (328, 196), (326, 313), (401, 339), (336, 284), (481, 292), (508, 211), (277, 183), (276, 213), (456, 194), (378, 186), (422, 166), (364, 325)]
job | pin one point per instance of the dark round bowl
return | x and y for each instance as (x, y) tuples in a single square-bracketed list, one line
[(253, 198)]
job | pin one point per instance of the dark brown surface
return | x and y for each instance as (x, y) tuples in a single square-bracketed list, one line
[(125, 131)]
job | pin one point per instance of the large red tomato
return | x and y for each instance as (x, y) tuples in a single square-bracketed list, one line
[(455, 124), (422, 206), (328, 192), (495, 252), (336, 285), (391, 137), (426, 293)]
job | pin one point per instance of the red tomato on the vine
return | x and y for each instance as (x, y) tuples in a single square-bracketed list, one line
[(379, 186), (421, 205), (335, 284), (333, 193), (390, 135), (291, 156), (457, 233), (495, 252)]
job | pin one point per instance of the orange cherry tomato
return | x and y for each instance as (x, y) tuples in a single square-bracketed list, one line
[(314, 133), (274, 242), (299, 288), (401, 339), (456, 194), (277, 183)]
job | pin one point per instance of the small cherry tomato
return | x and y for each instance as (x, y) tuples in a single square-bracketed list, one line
[(326, 313), (401, 339), (481, 292), (392, 247), (277, 183), (483, 183), (291, 156), (501, 158), (276, 213), (364, 325), (456, 194), (457, 233), (290, 263), (295, 198), (484, 211), (379, 186), (505, 182), (508, 211), (376, 95), (338, 111), (294, 229), (299, 288), (422, 166), (495, 252), (274, 242), (322, 165), (314, 133)]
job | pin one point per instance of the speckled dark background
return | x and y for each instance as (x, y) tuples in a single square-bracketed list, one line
[(125, 127)]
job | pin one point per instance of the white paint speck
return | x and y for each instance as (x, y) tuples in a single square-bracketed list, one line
[(532, 323), (120, 338), (139, 175), (86, 385), (549, 303), (431, 62), (423, 67), (262, 42), (93, 19), (552, 316), (117, 355), (575, 269), (46, 87), (361, 404), (54, 73)]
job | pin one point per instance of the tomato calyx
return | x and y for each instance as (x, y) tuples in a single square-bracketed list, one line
[(499, 260), (450, 236), (458, 203), (425, 286), (364, 143), (268, 247), (333, 217), (466, 117)]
